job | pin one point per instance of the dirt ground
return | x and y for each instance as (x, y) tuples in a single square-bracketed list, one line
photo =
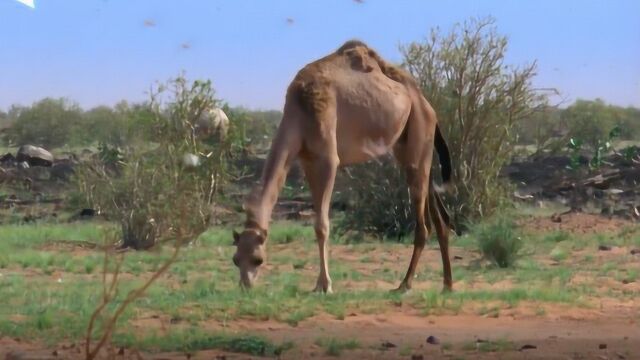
[(608, 329), (609, 334)]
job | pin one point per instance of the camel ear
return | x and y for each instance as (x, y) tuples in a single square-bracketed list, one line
[(236, 237)]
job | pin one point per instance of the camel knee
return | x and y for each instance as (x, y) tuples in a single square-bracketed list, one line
[(322, 231), (420, 236)]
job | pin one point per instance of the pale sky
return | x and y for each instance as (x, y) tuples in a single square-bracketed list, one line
[(102, 51)]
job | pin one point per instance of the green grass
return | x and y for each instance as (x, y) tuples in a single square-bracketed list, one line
[(557, 236), (499, 241), (499, 345), (202, 285), (287, 232), (334, 347), (559, 253), (193, 339)]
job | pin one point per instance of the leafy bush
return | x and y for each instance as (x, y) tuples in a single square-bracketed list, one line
[(479, 100), (147, 188), (49, 123), (377, 198), (499, 241)]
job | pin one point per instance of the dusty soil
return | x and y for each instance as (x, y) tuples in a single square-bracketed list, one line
[(607, 329), (575, 223), (399, 335)]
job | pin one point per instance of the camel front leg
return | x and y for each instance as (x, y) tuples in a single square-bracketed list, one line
[(321, 175)]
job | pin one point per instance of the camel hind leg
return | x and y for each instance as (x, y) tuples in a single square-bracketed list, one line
[(418, 181), (418, 189), (414, 152), (437, 212)]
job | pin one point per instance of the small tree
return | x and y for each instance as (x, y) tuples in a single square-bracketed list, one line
[(139, 186), (479, 99), (49, 123)]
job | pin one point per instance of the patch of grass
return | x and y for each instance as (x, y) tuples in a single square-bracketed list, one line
[(287, 232), (405, 350), (490, 346), (559, 254), (334, 347), (194, 339), (607, 268), (433, 299), (557, 236), (499, 241)]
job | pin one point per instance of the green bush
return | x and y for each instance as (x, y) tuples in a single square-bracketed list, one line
[(148, 189), (479, 100), (377, 200), (499, 240)]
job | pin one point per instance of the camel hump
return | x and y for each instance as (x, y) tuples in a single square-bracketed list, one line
[(351, 44), (363, 58)]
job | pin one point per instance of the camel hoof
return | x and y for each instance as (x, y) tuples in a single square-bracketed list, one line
[(323, 289), (403, 288)]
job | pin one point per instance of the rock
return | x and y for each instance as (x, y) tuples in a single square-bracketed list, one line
[(22, 165), (212, 122), (635, 251), (21, 355), (457, 257), (387, 345), (84, 214), (417, 357), (190, 160), (527, 347), (556, 218), (604, 247), (34, 156), (602, 346), (39, 173), (433, 340), (8, 159), (62, 170)]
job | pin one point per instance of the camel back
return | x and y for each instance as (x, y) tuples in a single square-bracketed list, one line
[(310, 89)]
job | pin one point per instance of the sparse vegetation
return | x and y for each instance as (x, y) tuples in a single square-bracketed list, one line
[(499, 241), (63, 281), (335, 347), (479, 101)]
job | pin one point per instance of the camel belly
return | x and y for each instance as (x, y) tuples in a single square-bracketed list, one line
[(371, 116)]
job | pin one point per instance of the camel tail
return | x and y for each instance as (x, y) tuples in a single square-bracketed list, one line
[(443, 155)]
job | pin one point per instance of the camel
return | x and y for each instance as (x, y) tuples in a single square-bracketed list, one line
[(345, 108)]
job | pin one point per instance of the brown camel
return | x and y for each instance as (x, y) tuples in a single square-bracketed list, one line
[(347, 108)]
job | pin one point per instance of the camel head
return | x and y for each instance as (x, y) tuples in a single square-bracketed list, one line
[(250, 254)]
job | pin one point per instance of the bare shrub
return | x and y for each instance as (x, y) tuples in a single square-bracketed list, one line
[(158, 193), (499, 241), (103, 321)]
